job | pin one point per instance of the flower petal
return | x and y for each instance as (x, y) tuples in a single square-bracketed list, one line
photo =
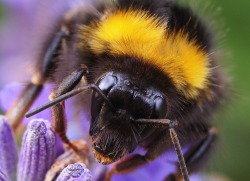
[(38, 151), (69, 157), (158, 169), (75, 172), (3, 176), (8, 150), (10, 93)]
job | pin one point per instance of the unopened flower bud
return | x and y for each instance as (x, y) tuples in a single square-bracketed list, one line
[(38, 151), (8, 150), (75, 172)]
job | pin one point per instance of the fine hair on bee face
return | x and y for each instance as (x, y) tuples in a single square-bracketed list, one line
[(150, 66)]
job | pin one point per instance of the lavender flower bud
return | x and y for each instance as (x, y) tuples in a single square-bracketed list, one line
[(38, 151), (8, 150), (75, 172), (69, 157)]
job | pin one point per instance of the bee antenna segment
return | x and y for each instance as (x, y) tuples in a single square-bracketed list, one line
[(68, 95)]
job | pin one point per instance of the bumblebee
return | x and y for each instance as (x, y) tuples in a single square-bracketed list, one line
[(147, 62)]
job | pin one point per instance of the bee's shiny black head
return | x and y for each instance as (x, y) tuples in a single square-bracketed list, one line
[(114, 132)]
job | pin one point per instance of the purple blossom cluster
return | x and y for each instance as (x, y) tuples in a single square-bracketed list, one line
[(38, 153)]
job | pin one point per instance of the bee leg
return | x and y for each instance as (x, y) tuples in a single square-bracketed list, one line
[(197, 154), (34, 88), (133, 162), (59, 120), (16, 113)]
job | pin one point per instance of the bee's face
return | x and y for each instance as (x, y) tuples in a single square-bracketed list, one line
[(114, 132), (114, 135)]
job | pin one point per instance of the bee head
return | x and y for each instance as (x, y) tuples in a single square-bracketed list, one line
[(114, 131)]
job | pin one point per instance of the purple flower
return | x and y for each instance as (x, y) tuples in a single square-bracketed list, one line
[(75, 172), (69, 157), (8, 151), (3, 176), (38, 151), (10, 93)]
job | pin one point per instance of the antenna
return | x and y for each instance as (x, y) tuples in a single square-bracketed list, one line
[(68, 95), (175, 141)]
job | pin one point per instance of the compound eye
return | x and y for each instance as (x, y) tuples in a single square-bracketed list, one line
[(107, 82), (160, 108)]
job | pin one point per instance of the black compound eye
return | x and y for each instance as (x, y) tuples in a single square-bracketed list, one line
[(160, 108), (106, 83)]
